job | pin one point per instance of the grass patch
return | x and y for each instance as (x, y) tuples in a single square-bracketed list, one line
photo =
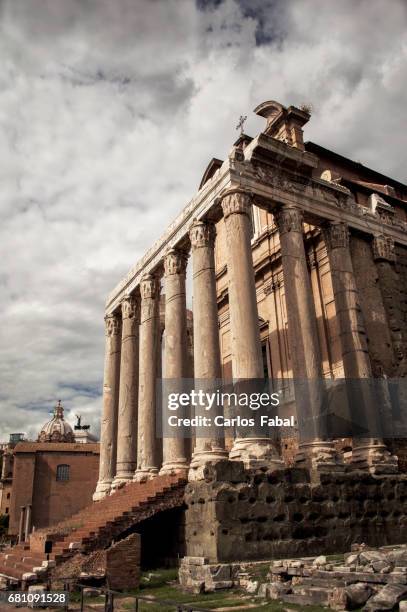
[(163, 584)]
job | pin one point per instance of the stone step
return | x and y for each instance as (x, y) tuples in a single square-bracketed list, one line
[(100, 520)]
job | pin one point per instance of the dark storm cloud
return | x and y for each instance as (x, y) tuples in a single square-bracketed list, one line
[(109, 114)]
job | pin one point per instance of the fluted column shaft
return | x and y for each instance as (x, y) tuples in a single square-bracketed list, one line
[(128, 393), (108, 433), (355, 355), (247, 360), (306, 361), (207, 360), (175, 353), (150, 348)]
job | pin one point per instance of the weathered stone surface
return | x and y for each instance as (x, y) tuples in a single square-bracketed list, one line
[(150, 347), (108, 434), (237, 514), (209, 445), (320, 561), (387, 598), (176, 354), (252, 586), (357, 595), (275, 590)]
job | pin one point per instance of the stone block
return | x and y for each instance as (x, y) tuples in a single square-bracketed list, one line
[(387, 598), (357, 595), (194, 561), (29, 577)]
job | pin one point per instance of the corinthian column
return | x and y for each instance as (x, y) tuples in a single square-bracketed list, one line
[(315, 449), (247, 360), (207, 361), (128, 393), (368, 453), (150, 348), (108, 433), (175, 353)]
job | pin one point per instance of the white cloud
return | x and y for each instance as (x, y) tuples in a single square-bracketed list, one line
[(108, 116)]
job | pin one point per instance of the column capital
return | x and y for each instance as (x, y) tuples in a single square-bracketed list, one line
[(130, 307), (383, 248), (175, 262), (113, 325), (236, 201), (202, 234), (149, 287), (336, 235), (289, 219)]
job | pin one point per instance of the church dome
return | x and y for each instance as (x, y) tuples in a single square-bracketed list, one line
[(57, 429)]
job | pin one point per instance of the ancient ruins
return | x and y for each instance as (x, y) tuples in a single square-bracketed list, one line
[(320, 232), (299, 272)]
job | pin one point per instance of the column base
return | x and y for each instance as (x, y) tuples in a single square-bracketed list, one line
[(374, 457), (200, 459), (320, 456), (102, 489), (255, 453), (144, 474), (175, 467), (121, 480)]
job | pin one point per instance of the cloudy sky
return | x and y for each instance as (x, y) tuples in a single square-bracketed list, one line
[(109, 114)]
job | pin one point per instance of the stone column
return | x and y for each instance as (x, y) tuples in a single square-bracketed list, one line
[(128, 393), (108, 433), (247, 361), (315, 449), (21, 525), (150, 348), (207, 360), (175, 353), (27, 521), (368, 453)]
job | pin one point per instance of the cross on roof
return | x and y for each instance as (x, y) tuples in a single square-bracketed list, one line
[(241, 123)]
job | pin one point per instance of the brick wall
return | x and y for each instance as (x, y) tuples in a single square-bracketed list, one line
[(123, 563), (35, 483)]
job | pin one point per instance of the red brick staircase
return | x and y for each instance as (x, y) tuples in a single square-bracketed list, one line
[(98, 524)]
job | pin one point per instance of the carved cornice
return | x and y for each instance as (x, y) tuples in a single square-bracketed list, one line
[(276, 184), (131, 308), (383, 248), (202, 234), (236, 201), (336, 235), (175, 262), (113, 325), (288, 219), (149, 287), (281, 179)]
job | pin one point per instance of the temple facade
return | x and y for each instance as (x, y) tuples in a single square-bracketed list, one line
[(299, 271)]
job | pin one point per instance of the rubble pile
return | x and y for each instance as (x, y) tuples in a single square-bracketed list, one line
[(372, 579)]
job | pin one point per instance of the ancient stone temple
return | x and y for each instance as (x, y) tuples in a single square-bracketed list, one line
[(298, 260), (299, 271)]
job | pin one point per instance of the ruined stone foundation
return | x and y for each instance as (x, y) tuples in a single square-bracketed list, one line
[(236, 514)]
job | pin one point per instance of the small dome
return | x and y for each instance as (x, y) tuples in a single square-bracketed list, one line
[(57, 429)]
